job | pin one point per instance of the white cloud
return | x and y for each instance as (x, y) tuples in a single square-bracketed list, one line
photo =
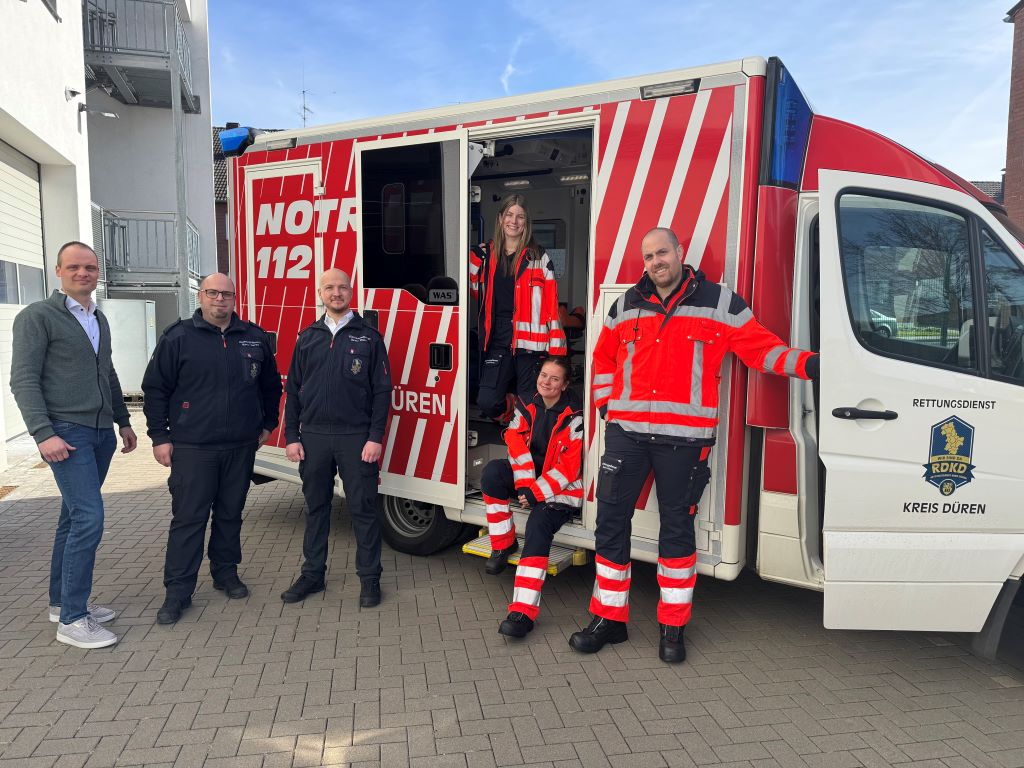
[(510, 65)]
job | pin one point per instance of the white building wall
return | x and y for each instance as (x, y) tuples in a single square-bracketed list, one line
[(132, 157), (40, 57)]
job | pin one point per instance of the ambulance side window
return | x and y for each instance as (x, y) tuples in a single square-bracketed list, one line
[(1004, 299), (409, 204), (908, 279)]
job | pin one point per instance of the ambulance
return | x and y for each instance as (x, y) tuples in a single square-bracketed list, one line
[(893, 484)]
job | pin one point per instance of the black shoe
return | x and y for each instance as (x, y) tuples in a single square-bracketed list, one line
[(232, 586), (172, 609), (671, 649), (498, 561), (369, 595), (302, 588), (600, 631), (516, 624)]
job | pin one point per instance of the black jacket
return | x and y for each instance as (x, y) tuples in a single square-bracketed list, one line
[(209, 388), (338, 384)]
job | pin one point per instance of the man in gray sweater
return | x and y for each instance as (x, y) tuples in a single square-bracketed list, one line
[(69, 396)]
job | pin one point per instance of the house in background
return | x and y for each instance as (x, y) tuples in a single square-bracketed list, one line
[(147, 61)]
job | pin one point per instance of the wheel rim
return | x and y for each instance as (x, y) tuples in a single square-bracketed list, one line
[(408, 518)]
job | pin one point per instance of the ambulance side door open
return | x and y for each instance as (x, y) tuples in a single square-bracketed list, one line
[(412, 268), (921, 402)]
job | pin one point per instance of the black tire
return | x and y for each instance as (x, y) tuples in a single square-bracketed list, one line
[(415, 527), (884, 331)]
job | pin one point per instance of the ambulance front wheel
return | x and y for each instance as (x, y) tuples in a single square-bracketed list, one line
[(415, 527)]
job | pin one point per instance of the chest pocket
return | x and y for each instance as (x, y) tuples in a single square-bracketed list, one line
[(252, 363), (706, 332), (356, 362)]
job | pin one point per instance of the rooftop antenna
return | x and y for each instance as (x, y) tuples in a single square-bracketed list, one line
[(305, 111)]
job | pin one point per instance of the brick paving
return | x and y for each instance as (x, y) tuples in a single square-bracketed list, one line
[(425, 680)]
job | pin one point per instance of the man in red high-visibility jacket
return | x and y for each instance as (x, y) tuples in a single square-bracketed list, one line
[(656, 367)]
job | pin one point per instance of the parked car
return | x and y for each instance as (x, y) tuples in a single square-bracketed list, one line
[(883, 325)]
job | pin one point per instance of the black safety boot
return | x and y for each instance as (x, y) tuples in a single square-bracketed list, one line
[(369, 595), (172, 609), (231, 586), (600, 631), (303, 587), (671, 648), (498, 561), (516, 624)]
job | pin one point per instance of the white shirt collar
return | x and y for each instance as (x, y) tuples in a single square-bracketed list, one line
[(70, 303), (335, 324)]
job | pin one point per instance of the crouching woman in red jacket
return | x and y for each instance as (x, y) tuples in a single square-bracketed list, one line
[(545, 451)]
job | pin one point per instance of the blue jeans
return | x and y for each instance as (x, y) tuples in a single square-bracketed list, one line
[(80, 526)]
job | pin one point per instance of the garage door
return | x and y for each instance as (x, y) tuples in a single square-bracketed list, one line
[(21, 259)]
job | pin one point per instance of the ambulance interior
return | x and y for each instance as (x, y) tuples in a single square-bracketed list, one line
[(553, 172)]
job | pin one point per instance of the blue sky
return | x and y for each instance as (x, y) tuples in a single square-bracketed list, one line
[(932, 75)]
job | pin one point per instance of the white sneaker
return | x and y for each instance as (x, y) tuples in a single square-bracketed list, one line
[(85, 633), (98, 612)]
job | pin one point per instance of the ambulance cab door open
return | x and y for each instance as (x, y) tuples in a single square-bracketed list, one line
[(412, 282), (921, 402)]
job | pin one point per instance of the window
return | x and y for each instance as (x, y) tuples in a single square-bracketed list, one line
[(30, 284), (410, 216), (8, 282), (1004, 300), (908, 279)]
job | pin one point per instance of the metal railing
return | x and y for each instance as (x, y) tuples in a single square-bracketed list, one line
[(136, 27), (143, 241)]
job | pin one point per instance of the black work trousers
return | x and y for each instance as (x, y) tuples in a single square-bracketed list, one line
[(205, 481), (545, 519), (680, 476), (326, 456), (502, 372)]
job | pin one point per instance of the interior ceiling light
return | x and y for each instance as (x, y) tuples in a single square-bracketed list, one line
[(517, 183), (573, 178)]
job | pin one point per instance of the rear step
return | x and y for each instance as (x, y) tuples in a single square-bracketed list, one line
[(559, 559)]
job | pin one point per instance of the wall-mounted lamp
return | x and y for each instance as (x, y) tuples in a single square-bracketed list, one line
[(97, 112), (70, 93)]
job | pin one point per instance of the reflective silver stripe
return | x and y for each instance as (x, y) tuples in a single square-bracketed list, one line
[(713, 313), (663, 406), (497, 509), (789, 366), (677, 595), (545, 488), (627, 371), (516, 420), (676, 573), (558, 477), (533, 346), (526, 596), (669, 430), (570, 501), (536, 303), (628, 315), (532, 327), (610, 598), (697, 374), (724, 299), (604, 378), (496, 529), (607, 572), (600, 392), (772, 357), (531, 573), (522, 458), (522, 474)]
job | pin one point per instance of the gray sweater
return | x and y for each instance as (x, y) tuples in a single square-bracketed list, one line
[(56, 376)]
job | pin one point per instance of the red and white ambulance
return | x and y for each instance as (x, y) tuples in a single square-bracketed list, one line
[(891, 484)]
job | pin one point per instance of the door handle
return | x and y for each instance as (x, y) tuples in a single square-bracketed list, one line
[(858, 413)]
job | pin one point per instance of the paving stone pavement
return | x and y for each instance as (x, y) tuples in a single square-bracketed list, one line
[(425, 680)]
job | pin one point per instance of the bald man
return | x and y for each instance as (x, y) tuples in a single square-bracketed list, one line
[(339, 392), (212, 396)]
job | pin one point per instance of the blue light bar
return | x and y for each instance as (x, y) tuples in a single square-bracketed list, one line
[(234, 141), (788, 117)]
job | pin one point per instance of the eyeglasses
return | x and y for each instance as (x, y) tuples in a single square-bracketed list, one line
[(212, 294)]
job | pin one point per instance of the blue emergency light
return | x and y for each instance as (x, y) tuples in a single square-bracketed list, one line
[(234, 141)]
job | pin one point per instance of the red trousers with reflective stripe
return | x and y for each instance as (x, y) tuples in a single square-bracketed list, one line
[(610, 599), (530, 575)]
